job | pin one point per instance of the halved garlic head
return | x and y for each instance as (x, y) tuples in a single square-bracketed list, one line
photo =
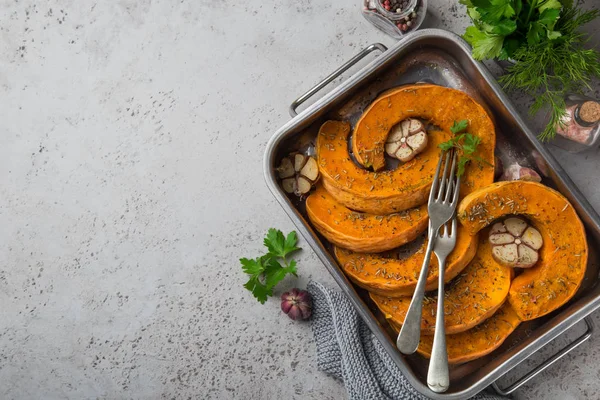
[(406, 140), (515, 243), (298, 173)]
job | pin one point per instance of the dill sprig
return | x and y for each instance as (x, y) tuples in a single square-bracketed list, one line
[(551, 69)]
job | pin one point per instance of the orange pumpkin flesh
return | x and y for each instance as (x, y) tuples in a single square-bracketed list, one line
[(437, 104), (469, 299), (380, 274), (477, 341), (376, 193), (363, 232), (562, 262), (405, 187)]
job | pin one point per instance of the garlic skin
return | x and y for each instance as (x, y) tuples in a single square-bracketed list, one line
[(515, 243), (298, 173), (297, 304), (516, 172), (406, 140)]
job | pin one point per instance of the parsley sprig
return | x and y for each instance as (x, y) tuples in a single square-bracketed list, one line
[(266, 271), (466, 143)]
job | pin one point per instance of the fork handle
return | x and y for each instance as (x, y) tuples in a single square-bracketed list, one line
[(410, 333), (438, 376)]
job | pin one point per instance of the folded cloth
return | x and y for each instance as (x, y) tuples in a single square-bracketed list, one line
[(348, 350)]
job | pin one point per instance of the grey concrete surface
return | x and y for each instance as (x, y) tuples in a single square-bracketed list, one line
[(131, 137)]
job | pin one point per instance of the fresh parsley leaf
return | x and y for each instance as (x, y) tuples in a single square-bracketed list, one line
[(466, 143), (497, 10), (462, 163), (470, 144), (252, 267), (549, 17), (290, 243), (275, 272), (447, 145), (480, 3), (279, 245), (518, 5), (275, 242), (535, 34), (504, 27), (485, 45), (553, 35), (473, 13), (509, 48), (260, 291), (267, 271), (459, 126), (544, 5)]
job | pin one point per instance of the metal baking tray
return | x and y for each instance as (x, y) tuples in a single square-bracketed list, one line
[(441, 57)]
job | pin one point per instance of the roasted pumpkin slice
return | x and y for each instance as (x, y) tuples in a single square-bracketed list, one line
[(558, 273), (363, 232), (477, 341), (387, 192), (469, 299), (440, 105), (387, 275)]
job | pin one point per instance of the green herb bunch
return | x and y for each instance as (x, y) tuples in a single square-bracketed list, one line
[(543, 38), (465, 143)]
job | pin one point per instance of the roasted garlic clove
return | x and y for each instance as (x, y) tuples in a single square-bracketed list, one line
[(298, 173), (406, 140), (299, 161), (285, 169), (289, 185), (516, 172), (310, 170), (515, 243), (303, 185)]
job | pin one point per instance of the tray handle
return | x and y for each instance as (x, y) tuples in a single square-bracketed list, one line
[(296, 103), (557, 356)]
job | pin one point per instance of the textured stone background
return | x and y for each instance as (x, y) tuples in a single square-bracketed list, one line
[(131, 140)]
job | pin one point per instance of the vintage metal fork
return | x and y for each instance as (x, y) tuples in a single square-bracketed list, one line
[(442, 204), (438, 376)]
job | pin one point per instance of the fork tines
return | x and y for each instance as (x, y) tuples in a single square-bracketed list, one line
[(446, 187)]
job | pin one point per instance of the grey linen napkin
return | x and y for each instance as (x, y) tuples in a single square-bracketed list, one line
[(347, 350)]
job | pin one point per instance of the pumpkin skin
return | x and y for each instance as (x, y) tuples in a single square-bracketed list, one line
[(363, 232), (562, 262), (478, 341), (380, 274), (407, 186), (469, 299), (417, 101)]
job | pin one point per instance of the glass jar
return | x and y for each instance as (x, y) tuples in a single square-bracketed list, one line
[(395, 23), (581, 129)]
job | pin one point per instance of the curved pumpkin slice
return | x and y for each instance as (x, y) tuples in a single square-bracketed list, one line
[(559, 272), (381, 274), (417, 101), (363, 232), (387, 192), (478, 341), (470, 299)]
